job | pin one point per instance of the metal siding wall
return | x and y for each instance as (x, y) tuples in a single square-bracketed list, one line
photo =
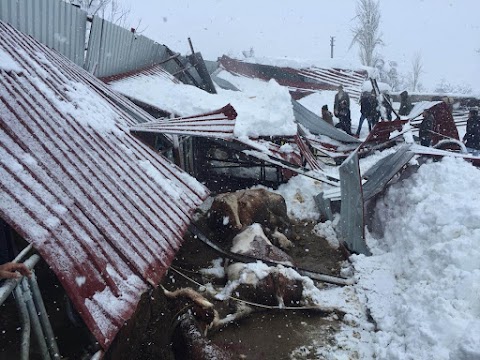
[(352, 212), (54, 23), (113, 50)]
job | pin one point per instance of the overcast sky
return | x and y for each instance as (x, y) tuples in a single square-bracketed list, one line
[(445, 32)]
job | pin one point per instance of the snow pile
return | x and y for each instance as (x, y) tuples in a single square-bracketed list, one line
[(423, 282), (264, 109)]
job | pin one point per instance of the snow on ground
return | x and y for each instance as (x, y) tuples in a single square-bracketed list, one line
[(421, 286), (422, 283)]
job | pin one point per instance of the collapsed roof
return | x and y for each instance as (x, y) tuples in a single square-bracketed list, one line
[(300, 80), (105, 211)]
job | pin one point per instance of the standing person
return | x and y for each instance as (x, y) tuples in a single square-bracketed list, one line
[(405, 104), (426, 128), (339, 97), (374, 115), (472, 135), (343, 114), (365, 111), (387, 104), (327, 115)]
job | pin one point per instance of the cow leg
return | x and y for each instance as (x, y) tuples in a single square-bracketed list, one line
[(281, 240), (242, 311)]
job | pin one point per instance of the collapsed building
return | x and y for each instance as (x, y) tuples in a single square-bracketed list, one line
[(102, 169)]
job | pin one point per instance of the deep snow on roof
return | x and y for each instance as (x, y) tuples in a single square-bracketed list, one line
[(265, 109), (104, 210)]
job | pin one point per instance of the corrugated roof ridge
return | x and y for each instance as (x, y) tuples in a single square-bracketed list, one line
[(37, 119), (102, 89)]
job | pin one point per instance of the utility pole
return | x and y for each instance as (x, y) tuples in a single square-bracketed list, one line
[(332, 41)]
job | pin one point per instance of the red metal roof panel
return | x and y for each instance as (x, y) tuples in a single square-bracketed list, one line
[(105, 211), (218, 124), (300, 82)]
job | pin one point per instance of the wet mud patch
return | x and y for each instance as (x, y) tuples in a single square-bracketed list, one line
[(277, 334)]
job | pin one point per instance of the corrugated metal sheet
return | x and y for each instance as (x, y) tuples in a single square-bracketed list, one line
[(154, 71), (382, 130), (384, 170), (444, 126), (224, 84), (205, 82), (318, 126), (217, 124), (306, 153), (105, 211), (351, 80), (301, 82), (54, 23), (352, 212), (114, 50)]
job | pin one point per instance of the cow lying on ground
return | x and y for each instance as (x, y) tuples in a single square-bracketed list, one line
[(232, 212), (194, 315), (252, 283), (258, 282)]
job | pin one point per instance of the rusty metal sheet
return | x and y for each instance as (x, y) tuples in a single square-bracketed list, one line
[(306, 153), (105, 211)]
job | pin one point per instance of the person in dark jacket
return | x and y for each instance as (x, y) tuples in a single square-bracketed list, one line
[(365, 111), (374, 115), (343, 114), (472, 135), (387, 104), (327, 115), (405, 104), (339, 97), (426, 128)]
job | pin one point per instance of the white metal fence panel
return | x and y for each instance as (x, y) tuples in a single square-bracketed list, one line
[(114, 50), (56, 24)]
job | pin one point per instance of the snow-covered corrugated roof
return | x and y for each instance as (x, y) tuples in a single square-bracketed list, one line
[(105, 211), (218, 124), (302, 79), (262, 110)]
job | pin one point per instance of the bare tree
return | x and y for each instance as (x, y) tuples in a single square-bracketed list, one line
[(417, 70), (445, 87), (110, 10), (366, 33), (92, 7)]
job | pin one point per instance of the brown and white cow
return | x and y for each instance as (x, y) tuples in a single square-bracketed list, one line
[(269, 285), (232, 212)]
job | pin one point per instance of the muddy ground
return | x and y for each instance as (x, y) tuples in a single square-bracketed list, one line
[(268, 334)]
